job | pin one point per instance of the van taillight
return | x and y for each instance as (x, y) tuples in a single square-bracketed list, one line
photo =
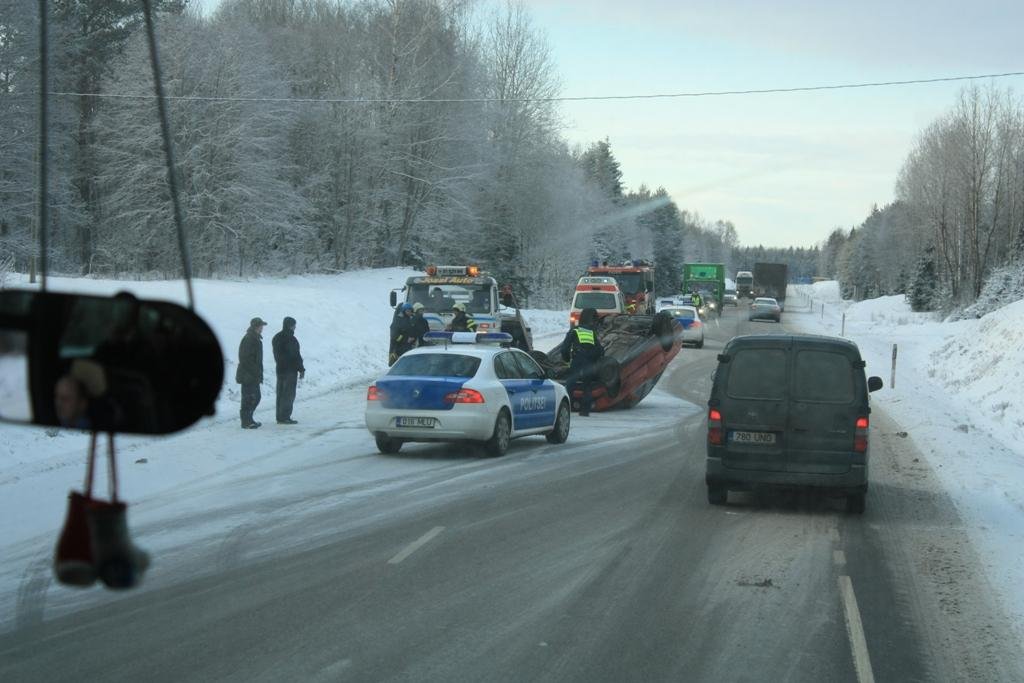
[(715, 427), (860, 435)]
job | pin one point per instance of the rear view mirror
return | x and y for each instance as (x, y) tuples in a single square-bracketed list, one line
[(106, 364), (393, 299), (723, 358), (874, 383)]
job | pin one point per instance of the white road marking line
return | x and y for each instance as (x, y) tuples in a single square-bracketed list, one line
[(839, 557), (855, 630), (416, 545)]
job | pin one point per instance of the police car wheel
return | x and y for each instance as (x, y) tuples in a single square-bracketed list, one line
[(561, 430), (388, 445), (499, 441)]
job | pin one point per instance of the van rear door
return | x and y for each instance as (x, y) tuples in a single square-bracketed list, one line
[(754, 408), (823, 411)]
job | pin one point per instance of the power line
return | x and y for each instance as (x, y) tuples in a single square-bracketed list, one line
[(580, 98)]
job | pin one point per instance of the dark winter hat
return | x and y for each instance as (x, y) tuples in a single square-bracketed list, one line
[(257, 321), (289, 322)]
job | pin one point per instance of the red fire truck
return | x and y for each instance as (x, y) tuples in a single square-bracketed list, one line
[(635, 280)]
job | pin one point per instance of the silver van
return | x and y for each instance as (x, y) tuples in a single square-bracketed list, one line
[(789, 411)]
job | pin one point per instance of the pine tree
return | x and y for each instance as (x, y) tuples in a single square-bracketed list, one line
[(921, 292)]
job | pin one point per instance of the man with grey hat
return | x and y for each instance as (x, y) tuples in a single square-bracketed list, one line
[(250, 371), (289, 369)]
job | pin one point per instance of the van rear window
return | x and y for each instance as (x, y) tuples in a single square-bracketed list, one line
[(602, 301), (823, 376), (757, 373)]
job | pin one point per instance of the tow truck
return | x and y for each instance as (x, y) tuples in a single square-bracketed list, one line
[(494, 308), (636, 280)]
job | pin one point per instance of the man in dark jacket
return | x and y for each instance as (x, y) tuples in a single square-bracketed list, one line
[(250, 371), (418, 325), (289, 369), (401, 332), (583, 350)]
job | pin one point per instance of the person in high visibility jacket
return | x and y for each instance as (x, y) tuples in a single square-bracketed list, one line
[(696, 299), (583, 350), (461, 322)]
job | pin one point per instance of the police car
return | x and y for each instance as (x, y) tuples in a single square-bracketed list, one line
[(466, 387)]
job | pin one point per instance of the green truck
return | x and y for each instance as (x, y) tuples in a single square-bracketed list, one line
[(707, 278)]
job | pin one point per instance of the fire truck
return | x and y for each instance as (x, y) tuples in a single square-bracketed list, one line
[(494, 308), (635, 279)]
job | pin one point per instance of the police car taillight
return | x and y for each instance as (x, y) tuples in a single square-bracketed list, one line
[(860, 435), (715, 427), (464, 396), (372, 393)]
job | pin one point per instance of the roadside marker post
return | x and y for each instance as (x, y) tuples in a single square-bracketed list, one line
[(892, 378), (842, 332)]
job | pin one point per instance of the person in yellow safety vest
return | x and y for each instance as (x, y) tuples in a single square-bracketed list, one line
[(696, 299), (461, 322), (631, 307), (583, 350)]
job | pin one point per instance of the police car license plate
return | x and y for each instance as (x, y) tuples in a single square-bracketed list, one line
[(427, 422), (753, 437)]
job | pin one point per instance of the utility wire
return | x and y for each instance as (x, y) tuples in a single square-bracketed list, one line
[(44, 144), (580, 98)]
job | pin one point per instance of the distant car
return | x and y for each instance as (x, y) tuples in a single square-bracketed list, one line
[(465, 392), (729, 298), (789, 411), (765, 308), (693, 328)]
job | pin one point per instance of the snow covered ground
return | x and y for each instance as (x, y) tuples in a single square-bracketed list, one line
[(211, 471), (958, 394)]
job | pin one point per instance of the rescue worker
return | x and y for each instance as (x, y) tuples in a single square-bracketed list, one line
[(696, 300), (250, 371), (461, 322), (290, 368), (583, 350), (418, 324), (631, 308), (401, 329)]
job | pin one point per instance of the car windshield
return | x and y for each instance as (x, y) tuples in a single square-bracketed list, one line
[(435, 365), (441, 298), (826, 197)]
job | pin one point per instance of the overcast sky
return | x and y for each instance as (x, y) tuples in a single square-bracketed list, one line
[(785, 168)]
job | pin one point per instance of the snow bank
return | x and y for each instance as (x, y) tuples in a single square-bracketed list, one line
[(983, 366), (826, 291), (958, 396)]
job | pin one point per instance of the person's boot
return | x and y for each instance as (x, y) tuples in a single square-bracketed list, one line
[(73, 561), (119, 562)]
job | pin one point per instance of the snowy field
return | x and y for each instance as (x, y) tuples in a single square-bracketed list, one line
[(213, 470), (959, 397)]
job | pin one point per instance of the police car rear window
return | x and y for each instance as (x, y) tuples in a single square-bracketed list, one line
[(598, 300), (435, 365)]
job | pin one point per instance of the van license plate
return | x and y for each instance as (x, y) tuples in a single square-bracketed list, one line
[(427, 422), (753, 437)]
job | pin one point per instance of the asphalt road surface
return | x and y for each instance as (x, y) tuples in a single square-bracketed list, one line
[(592, 561)]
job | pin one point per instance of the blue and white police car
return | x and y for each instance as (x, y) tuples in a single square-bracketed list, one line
[(466, 387)]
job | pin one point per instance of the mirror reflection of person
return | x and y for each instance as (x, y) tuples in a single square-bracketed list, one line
[(71, 402)]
